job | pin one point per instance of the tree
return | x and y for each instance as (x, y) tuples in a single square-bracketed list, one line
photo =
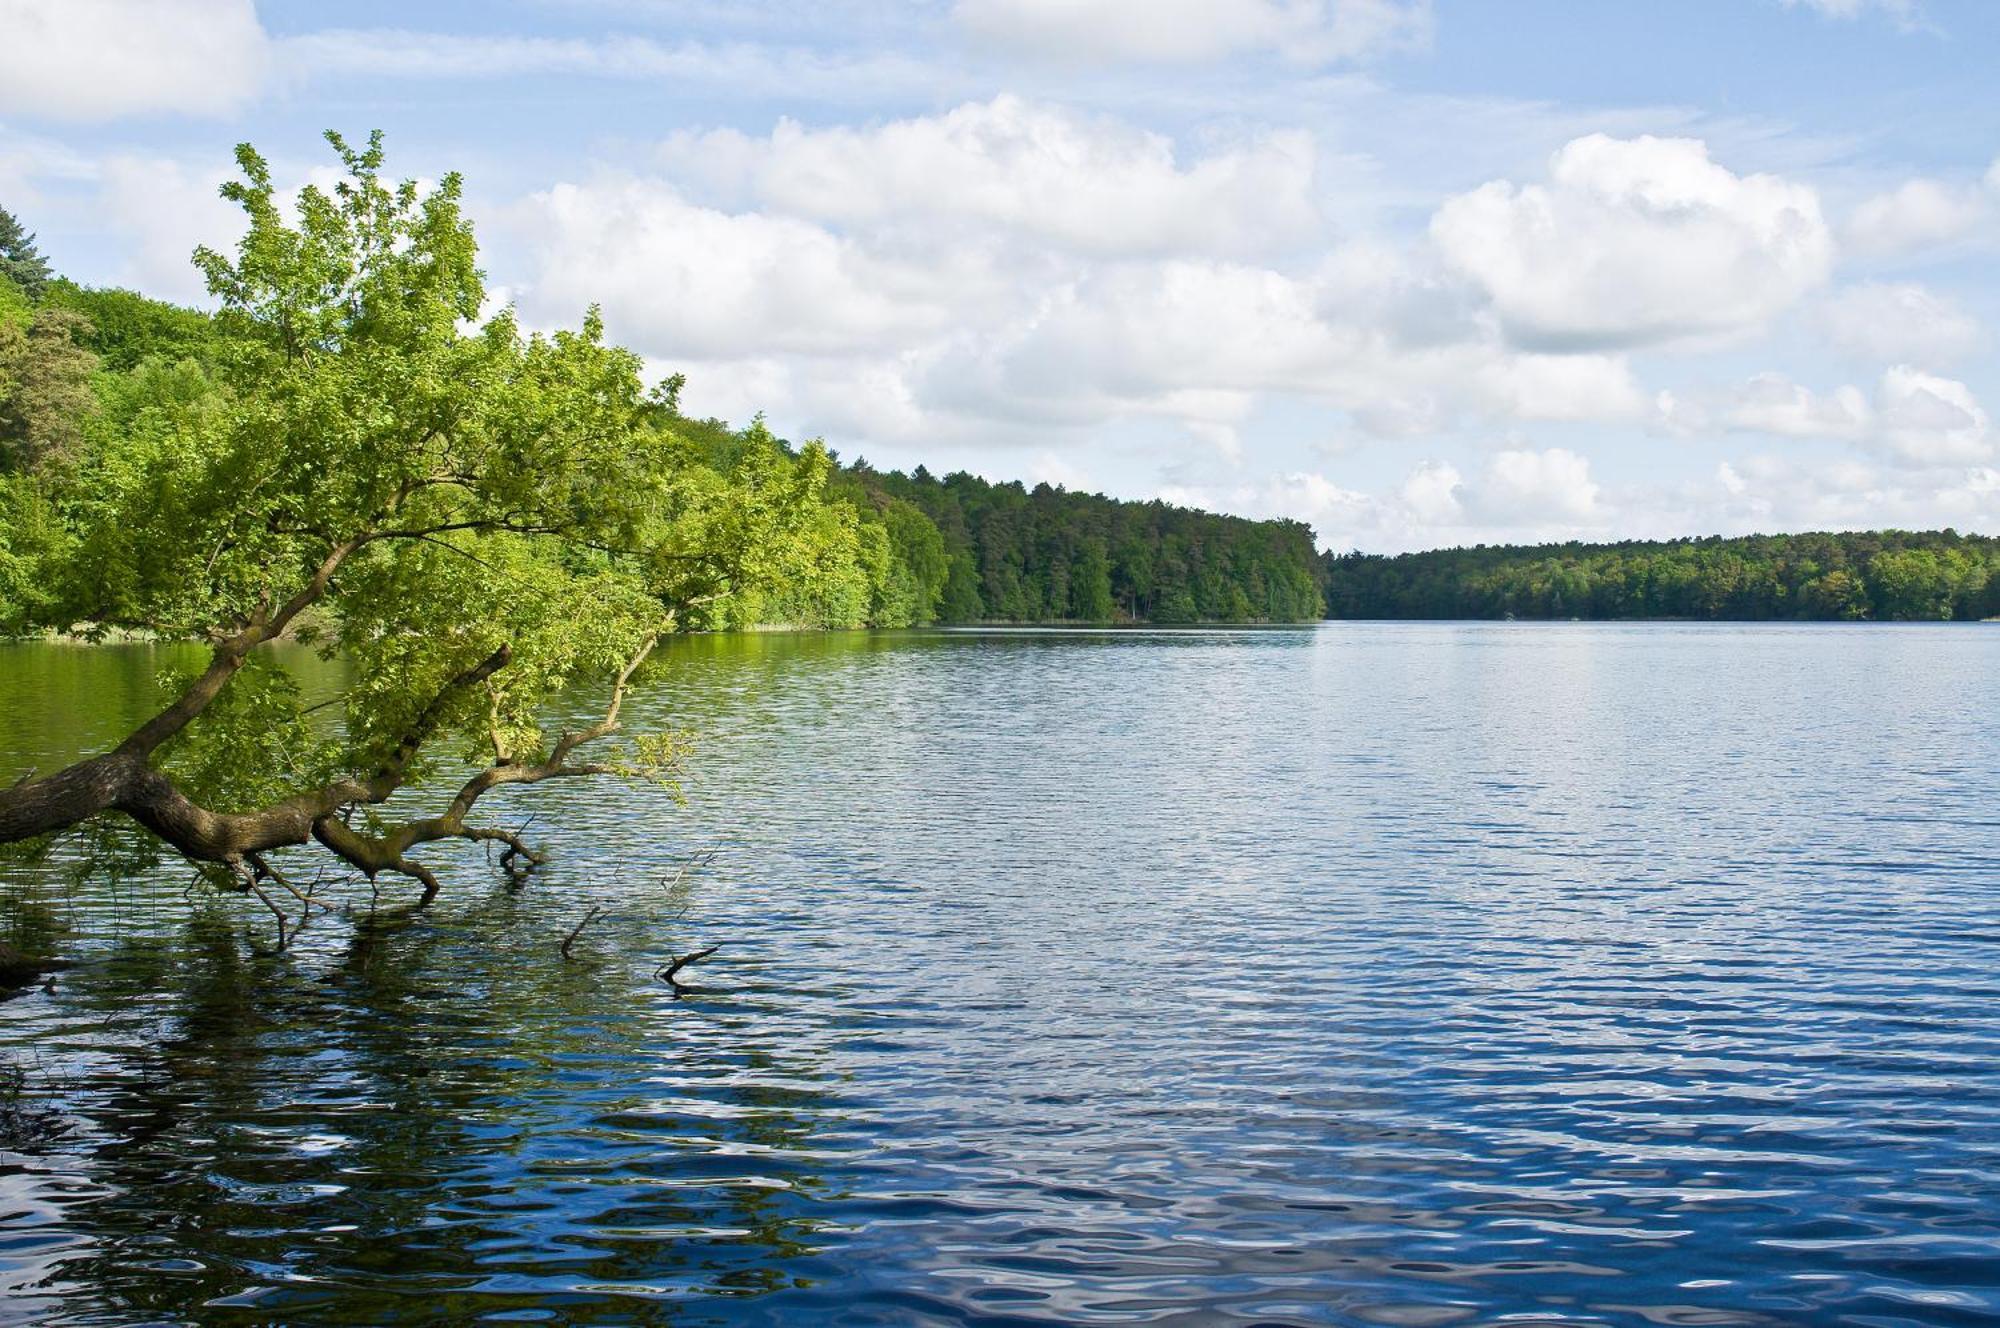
[(473, 519), (45, 395), (20, 261), (1090, 584), (126, 328)]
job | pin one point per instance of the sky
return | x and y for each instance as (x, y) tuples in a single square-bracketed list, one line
[(1417, 272)]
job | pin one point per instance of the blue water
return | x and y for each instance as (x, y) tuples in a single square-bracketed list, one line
[(1371, 974)]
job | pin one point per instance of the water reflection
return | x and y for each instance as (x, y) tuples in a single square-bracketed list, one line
[(1378, 975), (418, 1123)]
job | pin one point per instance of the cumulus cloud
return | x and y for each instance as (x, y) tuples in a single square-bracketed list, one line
[(1774, 404), (683, 280), (1430, 494), (1134, 331), (1183, 335), (1094, 185), (1006, 268), (1308, 32), (100, 59), (1915, 418), (1636, 242), (1528, 496), (1923, 213), (1898, 321), (1931, 421), (1517, 494), (1525, 487), (1766, 493)]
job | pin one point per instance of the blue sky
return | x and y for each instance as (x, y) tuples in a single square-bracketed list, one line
[(1417, 273)]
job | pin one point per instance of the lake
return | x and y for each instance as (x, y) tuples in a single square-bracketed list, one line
[(1407, 974)]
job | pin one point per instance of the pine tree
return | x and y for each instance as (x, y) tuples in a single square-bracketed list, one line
[(20, 261)]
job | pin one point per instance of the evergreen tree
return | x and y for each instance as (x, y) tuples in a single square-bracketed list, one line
[(45, 393), (20, 261)]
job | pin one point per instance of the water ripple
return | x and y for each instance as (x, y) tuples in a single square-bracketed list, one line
[(1374, 975)]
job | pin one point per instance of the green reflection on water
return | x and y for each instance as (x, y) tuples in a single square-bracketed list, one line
[(412, 1119)]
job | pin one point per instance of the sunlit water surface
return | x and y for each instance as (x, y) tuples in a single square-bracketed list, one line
[(1373, 974)]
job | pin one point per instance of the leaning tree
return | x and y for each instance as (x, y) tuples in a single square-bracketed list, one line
[(472, 519)]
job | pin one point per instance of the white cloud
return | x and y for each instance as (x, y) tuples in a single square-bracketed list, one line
[(1306, 32), (1205, 340), (1771, 403), (1342, 518), (1519, 494), (1903, 321), (164, 209), (31, 162), (1561, 387), (1636, 242), (1430, 493), (1918, 419), (691, 282), (1522, 487), (1932, 421), (1766, 493), (100, 59), (1011, 166), (1537, 497), (1920, 214), (1141, 330), (988, 310)]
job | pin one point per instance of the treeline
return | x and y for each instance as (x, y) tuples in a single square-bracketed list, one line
[(1885, 576), (1014, 554), (93, 371)]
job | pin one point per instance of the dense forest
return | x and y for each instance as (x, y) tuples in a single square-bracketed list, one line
[(1889, 575), (1014, 554), (94, 371)]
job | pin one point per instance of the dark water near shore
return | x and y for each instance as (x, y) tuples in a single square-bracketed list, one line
[(1374, 974)]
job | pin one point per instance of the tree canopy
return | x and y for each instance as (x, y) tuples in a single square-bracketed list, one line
[(353, 452), (1007, 553), (20, 261), (1877, 575)]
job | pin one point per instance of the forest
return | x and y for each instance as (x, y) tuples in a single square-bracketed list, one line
[(1885, 576), (88, 372)]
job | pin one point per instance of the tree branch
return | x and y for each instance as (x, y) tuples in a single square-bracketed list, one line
[(389, 851)]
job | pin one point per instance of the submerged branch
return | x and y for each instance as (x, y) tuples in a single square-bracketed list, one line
[(589, 917), (669, 972)]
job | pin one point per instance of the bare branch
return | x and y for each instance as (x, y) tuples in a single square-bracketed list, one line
[(576, 931), (669, 972)]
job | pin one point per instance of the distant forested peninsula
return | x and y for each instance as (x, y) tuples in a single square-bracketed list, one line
[(1886, 576), (903, 550)]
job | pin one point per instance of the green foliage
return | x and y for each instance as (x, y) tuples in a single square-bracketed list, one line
[(45, 391), (125, 328), (1047, 555), (16, 307), (1882, 575), (479, 487), (21, 263), (255, 744)]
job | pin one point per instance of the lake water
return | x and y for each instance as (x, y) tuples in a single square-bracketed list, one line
[(1366, 974)]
